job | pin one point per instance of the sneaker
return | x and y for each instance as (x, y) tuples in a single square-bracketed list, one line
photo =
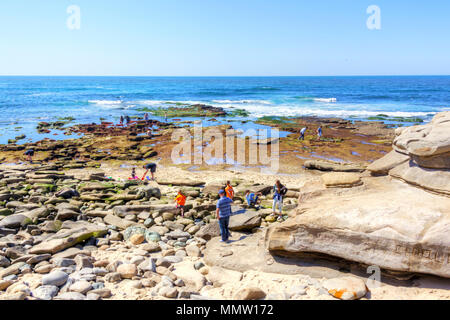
[(280, 219)]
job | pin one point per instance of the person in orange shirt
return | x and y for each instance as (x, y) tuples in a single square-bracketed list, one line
[(181, 201), (229, 190)]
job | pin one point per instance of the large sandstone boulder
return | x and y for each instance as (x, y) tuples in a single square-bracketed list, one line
[(428, 144), (428, 179), (421, 156), (384, 165), (389, 224)]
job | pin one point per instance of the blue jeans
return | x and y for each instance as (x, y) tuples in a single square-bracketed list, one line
[(223, 224)]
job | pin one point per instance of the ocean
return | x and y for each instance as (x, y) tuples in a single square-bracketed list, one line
[(26, 101)]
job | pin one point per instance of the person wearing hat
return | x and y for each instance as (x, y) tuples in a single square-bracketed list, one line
[(223, 212)]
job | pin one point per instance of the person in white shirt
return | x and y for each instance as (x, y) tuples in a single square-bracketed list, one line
[(302, 133)]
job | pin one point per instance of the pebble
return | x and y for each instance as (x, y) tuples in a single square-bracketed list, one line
[(168, 292), (113, 277), (55, 278), (63, 262), (44, 269), (71, 296), (46, 292), (127, 270), (92, 296), (103, 292), (81, 286), (4, 284)]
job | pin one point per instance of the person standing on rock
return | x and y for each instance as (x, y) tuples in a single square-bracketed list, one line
[(229, 190), (121, 120), (302, 133), (152, 168), (278, 192), (146, 117), (127, 120), (223, 213)]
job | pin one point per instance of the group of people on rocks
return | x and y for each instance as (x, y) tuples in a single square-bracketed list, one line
[(148, 167), (224, 212), (319, 132)]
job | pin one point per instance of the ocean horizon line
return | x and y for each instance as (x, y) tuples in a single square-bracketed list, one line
[(218, 76)]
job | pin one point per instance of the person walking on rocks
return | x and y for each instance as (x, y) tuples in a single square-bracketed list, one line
[(278, 192), (302, 133), (29, 153), (152, 168), (121, 120), (127, 120), (181, 202), (223, 213), (319, 132), (229, 190)]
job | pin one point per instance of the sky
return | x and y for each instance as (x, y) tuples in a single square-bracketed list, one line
[(224, 38)]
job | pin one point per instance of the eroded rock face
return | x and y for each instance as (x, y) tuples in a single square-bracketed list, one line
[(393, 225), (428, 140), (421, 156)]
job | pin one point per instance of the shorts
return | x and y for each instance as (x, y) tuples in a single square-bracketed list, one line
[(151, 167), (29, 153), (179, 206)]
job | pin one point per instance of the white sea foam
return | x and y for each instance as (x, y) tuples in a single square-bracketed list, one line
[(325, 100), (242, 101), (105, 102), (165, 102)]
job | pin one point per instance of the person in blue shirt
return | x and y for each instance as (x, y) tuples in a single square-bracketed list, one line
[(252, 198), (319, 132), (223, 213)]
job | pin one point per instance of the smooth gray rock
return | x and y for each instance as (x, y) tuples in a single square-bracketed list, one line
[(45, 292), (55, 278)]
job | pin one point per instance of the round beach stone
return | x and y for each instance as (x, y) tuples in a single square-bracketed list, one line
[(81, 286), (346, 288), (127, 270), (46, 292), (137, 239), (152, 236), (55, 278)]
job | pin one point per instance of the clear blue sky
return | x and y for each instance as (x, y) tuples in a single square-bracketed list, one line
[(224, 38)]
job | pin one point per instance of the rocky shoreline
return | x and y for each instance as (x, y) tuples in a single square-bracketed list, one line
[(73, 227)]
